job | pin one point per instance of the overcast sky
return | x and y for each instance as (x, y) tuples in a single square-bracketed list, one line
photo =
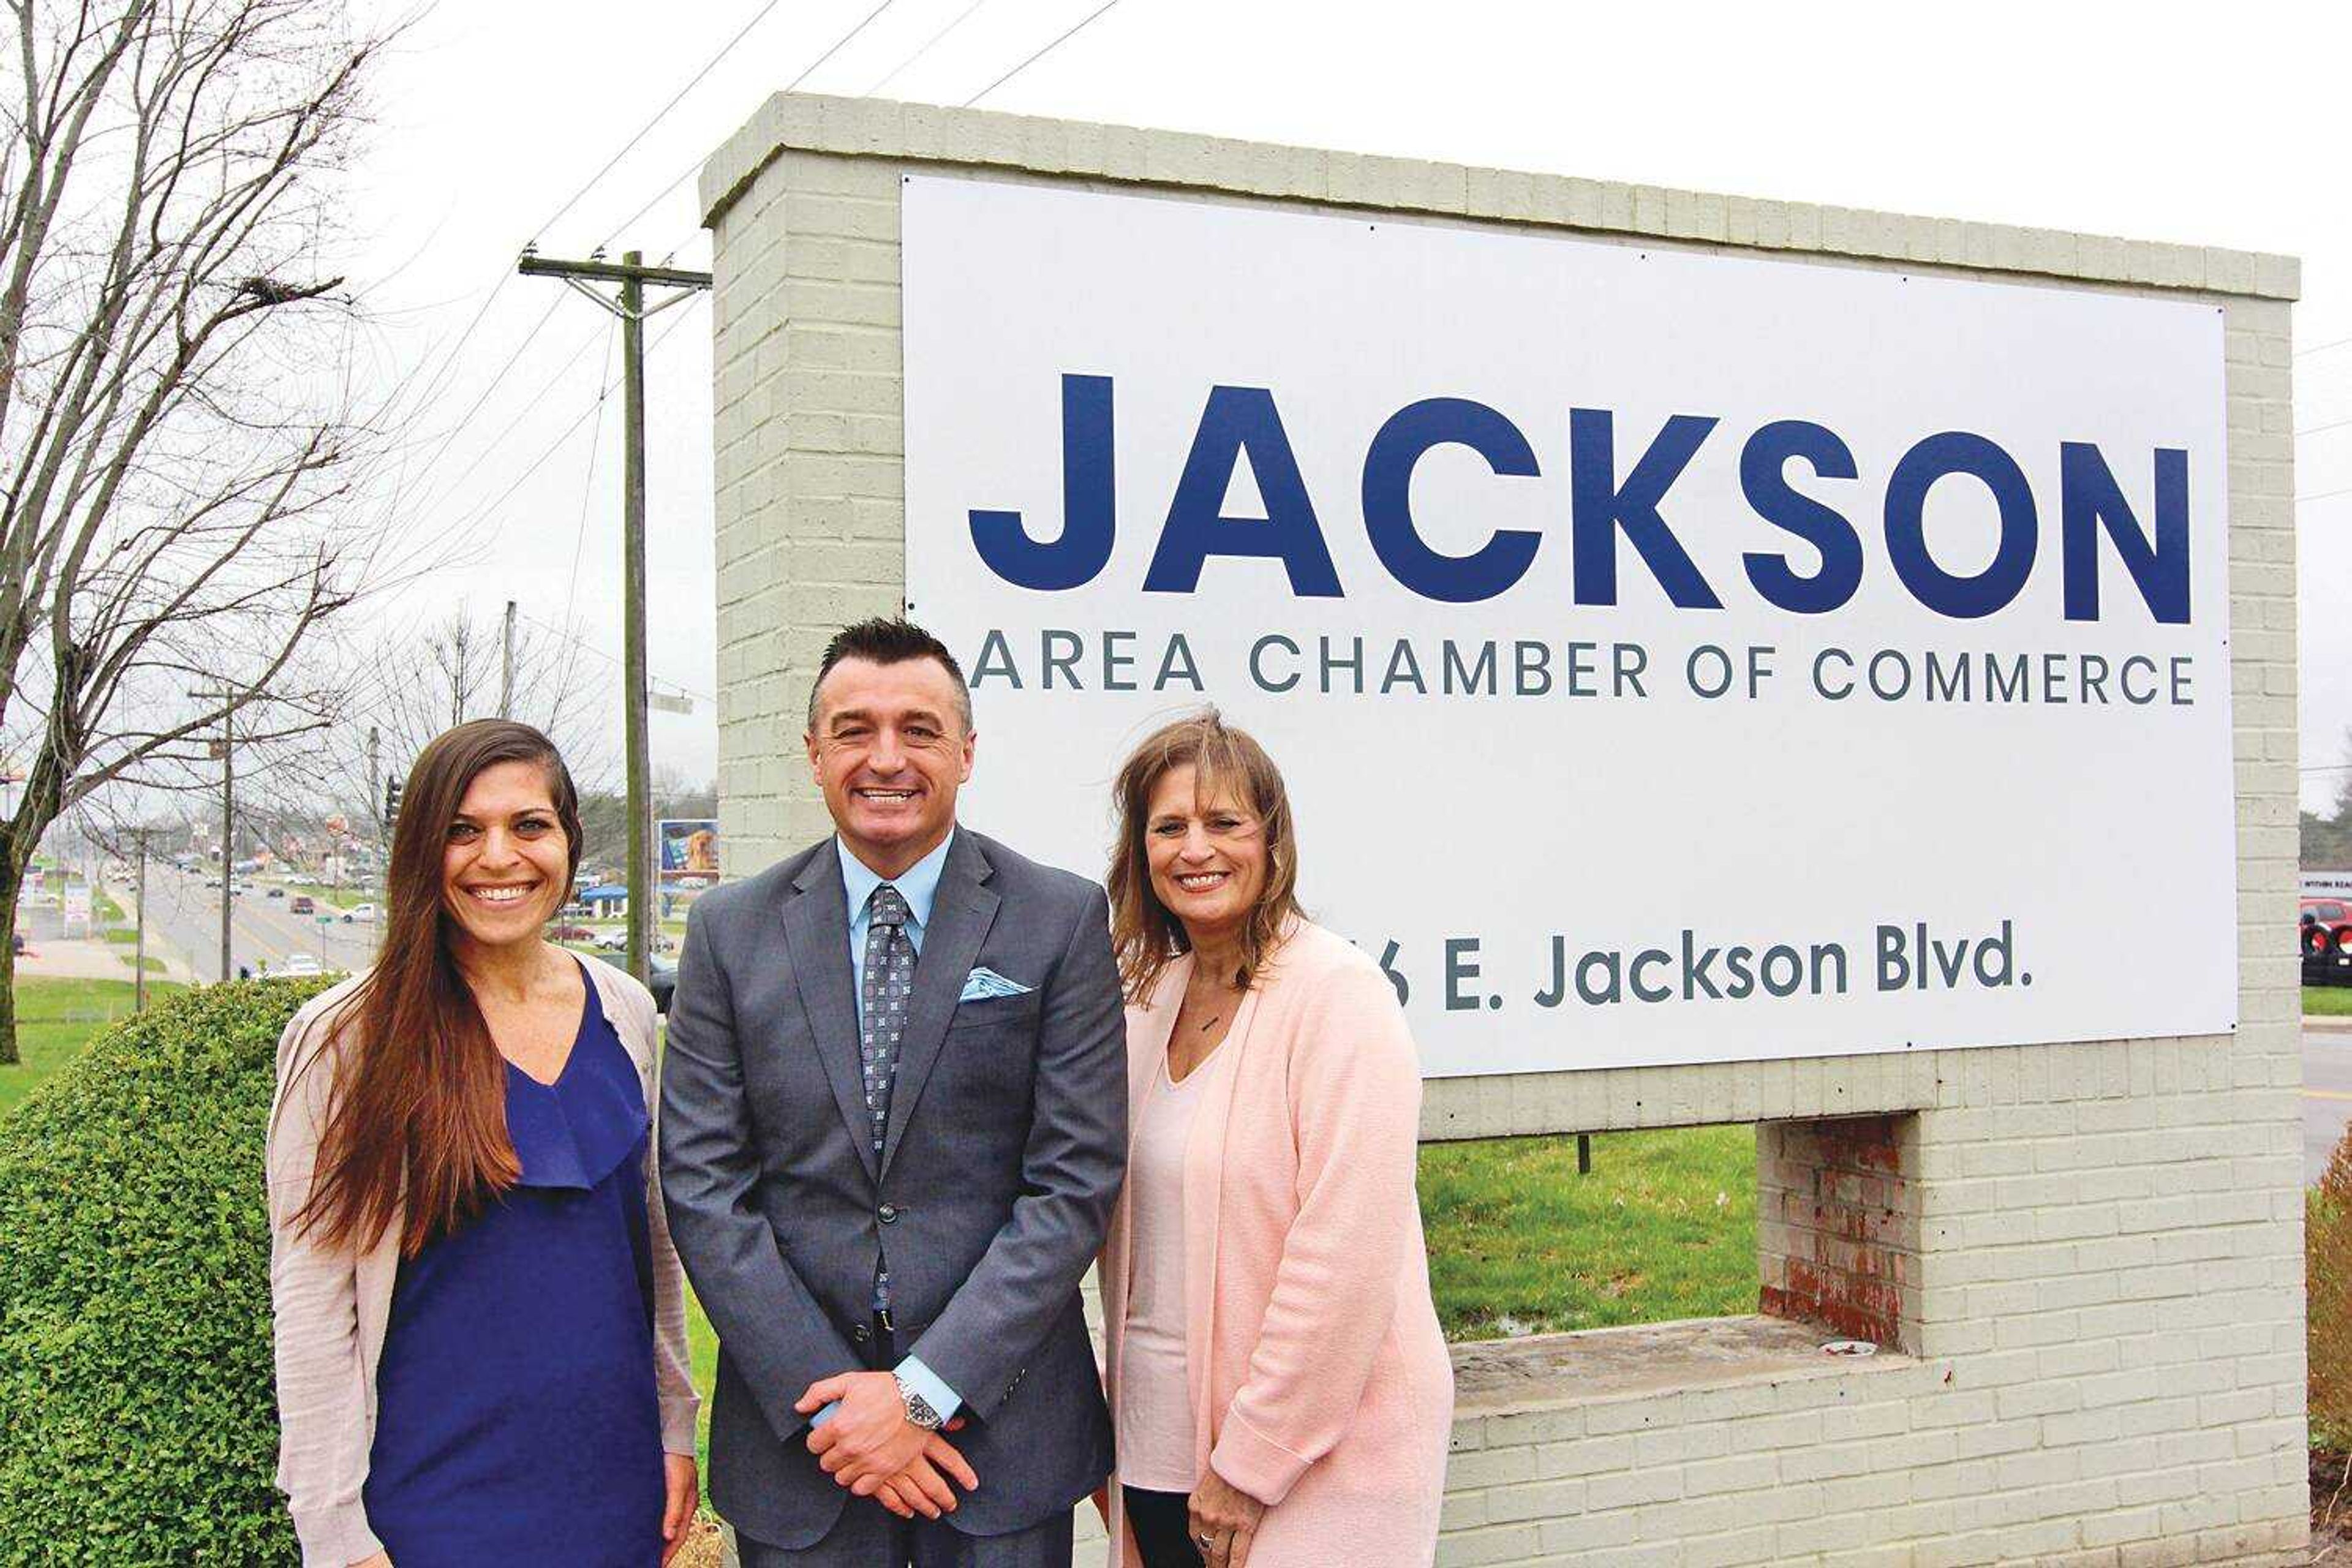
[(2196, 125)]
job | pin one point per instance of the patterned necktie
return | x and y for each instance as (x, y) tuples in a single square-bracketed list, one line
[(889, 993)]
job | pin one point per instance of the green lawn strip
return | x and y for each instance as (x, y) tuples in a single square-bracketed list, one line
[(2328, 1000), (1664, 1228), (121, 936), (55, 1019), (702, 1350)]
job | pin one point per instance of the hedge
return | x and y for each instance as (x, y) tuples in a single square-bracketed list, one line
[(137, 1423), (2327, 1273)]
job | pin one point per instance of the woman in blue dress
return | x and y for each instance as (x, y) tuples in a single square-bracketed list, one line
[(480, 1323)]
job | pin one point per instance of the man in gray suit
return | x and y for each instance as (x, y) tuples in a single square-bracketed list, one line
[(893, 1122)]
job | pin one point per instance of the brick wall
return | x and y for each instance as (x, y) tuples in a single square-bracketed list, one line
[(2103, 1303), (1837, 1223)]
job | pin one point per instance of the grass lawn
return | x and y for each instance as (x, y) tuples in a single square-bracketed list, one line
[(1664, 1228), (121, 936), (55, 1019), (2329, 1001)]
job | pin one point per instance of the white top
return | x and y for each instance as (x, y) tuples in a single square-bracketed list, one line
[(1155, 1396)]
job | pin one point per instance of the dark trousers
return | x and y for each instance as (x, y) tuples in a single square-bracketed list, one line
[(1162, 1523), (868, 1535)]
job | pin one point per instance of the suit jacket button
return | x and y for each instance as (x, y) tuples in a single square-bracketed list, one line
[(887, 1214), (860, 1334)]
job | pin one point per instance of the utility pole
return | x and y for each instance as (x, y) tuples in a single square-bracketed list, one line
[(375, 812), (227, 744), (139, 959), (506, 667), (633, 276)]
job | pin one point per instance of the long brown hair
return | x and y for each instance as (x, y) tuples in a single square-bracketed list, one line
[(418, 1116), (1143, 932)]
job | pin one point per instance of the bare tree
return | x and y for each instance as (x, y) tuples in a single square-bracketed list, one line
[(173, 419), (412, 684)]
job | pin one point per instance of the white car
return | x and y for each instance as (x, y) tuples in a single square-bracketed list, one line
[(358, 912), (299, 964)]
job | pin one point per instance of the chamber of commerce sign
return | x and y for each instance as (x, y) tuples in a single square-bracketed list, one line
[(1674, 657)]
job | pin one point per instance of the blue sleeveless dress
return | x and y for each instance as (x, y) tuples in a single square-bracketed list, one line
[(517, 1421)]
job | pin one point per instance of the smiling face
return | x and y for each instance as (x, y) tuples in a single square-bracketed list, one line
[(890, 749), (1206, 850), (505, 862)]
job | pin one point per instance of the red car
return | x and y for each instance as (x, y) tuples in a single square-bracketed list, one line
[(2326, 939), (569, 933)]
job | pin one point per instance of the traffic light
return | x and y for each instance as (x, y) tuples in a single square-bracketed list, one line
[(391, 803)]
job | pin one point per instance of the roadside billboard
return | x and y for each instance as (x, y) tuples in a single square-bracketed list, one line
[(1674, 657), (686, 852)]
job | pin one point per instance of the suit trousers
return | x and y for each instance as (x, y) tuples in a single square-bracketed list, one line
[(868, 1535)]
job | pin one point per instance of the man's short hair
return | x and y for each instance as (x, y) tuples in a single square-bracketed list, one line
[(889, 639)]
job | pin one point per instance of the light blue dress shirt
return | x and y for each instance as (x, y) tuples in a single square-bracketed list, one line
[(919, 886)]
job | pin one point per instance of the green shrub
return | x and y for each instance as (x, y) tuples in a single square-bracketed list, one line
[(136, 1420), (2327, 1273)]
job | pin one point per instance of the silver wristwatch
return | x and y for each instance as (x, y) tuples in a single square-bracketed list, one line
[(919, 1412)]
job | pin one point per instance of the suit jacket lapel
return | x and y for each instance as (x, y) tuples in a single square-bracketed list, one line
[(817, 933), (962, 912)]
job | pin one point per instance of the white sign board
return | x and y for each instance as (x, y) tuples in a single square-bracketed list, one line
[(1674, 657)]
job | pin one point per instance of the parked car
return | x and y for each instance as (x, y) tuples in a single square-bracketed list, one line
[(570, 932), (2326, 941), (300, 964), (275, 893), (362, 912), (661, 977), (303, 904), (613, 942)]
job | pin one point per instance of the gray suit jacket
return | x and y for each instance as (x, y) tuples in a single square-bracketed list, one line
[(1005, 1148)]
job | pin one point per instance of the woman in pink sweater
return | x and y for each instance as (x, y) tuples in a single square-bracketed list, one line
[(1281, 1392)]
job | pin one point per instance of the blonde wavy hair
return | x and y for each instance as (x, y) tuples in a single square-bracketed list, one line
[(1145, 934)]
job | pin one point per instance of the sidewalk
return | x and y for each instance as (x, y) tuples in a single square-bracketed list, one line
[(81, 959)]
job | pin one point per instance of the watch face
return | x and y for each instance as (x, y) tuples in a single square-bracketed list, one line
[(918, 1409)]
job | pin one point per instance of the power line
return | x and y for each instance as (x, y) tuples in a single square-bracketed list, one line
[(708, 66), (588, 486), (2331, 425), (478, 513), (692, 169), (588, 648), (2324, 495), (1041, 54), (961, 16), (463, 420), (2322, 348)]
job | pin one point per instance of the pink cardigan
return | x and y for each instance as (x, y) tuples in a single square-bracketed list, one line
[(331, 1307), (1320, 1382)]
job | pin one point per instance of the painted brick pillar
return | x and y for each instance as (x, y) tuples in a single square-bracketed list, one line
[(1837, 1224)]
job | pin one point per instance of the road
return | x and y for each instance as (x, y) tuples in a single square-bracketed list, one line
[(262, 929), (2326, 1095)]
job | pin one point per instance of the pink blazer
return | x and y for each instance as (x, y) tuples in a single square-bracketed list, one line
[(1320, 1382)]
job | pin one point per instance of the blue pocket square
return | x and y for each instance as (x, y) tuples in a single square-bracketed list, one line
[(985, 984)]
